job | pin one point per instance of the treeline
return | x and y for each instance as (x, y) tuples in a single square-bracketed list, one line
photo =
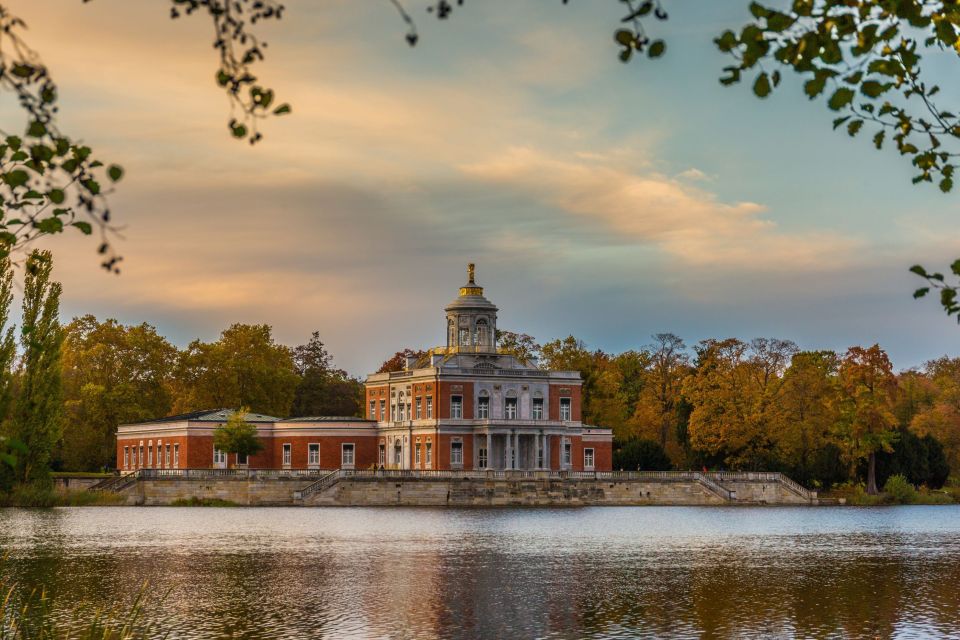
[(115, 374), (820, 416)]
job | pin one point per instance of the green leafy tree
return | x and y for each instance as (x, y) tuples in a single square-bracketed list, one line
[(112, 374), (323, 390), (38, 415), (245, 367), (641, 455), (238, 436), (867, 424)]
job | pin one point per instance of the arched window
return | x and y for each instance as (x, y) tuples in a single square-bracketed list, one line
[(482, 336), (451, 332), (510, 405)]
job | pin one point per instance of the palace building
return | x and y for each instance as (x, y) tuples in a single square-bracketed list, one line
[(464, 406)]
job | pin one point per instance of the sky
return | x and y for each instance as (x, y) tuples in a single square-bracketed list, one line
[(598, 199)]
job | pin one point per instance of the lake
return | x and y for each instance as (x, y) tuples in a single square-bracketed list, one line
[(605, 572)]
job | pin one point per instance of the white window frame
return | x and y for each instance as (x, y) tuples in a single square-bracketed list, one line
[(383, 410), (429, 407), (419, 407), (417, 454), (456, 407), (397, 452), (167, 455), (140, 459), (382, 454), (511, 403), (150, 454), (126, 457), (245, 461), (567, 415), (219, 459), (348, 455), (567, 453), (287, 453), (176, 455), (429, 454), (483, 407), (373, 409), (588, 459), (482, 457), (456, 453), (537, 409), (313, 461)]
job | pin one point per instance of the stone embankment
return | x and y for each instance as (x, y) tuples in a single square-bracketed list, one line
[(456, 488)]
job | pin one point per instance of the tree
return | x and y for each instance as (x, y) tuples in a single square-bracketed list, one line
[(112, 374), (641, 455), (245, 367), (734, 392), (323, 390), (38, 414), (807, 412), (867, 424), (658, 402), (398, 361), (238, 436), (520, 345), (938, 410)]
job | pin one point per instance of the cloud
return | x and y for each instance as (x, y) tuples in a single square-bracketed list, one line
[(648, 208)]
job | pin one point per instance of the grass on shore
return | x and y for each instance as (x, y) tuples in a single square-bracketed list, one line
[(897, 490), (79, 474), (202, 502), (44, 496)]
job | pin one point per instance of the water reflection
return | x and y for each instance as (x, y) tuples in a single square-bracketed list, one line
[(570, 573)]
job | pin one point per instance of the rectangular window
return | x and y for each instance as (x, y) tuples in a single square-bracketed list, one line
[(400, 414), (313, 454), (126, 457), (588, 459), (373, 409), (287, 454), (159, 456), (383, 410), (176, 456), (418, 454), (483, 407), (429, 455), (243, 459), (456, 453), (140, 459), (219, 458), (419, 407), (538, 408), (456, 407), (567, 453), (382, 459), (429, 406), (482, 458), (540, 464), (565, 408), (346, 454), (150, 455), (397, 453), (167, 457), (510, 408)]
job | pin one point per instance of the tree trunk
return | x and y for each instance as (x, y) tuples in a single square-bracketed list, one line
[(872, 474)]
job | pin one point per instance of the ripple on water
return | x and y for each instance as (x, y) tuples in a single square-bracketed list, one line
[(550, 573)]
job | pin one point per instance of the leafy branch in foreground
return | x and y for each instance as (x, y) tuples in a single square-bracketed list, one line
[(239, 49), (936, 280), (48, 182), (866, 55)]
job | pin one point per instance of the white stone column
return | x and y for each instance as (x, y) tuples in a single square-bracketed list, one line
[(516, 449), (489, 451)]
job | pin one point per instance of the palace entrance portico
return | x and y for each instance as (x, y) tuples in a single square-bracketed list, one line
[(507, 449)]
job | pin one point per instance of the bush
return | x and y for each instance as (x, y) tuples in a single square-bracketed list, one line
[(899, 490), (30, 495), (645, 455)]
